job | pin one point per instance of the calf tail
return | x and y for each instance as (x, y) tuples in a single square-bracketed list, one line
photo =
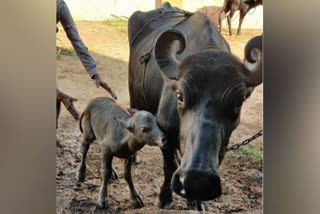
[(80, 121)]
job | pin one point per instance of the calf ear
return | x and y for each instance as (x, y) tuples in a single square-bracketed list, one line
[(124, 124), (132, 111)]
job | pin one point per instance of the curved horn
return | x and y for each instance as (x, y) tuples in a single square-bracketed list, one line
[(253, 54), (165, 52), (255, 42)]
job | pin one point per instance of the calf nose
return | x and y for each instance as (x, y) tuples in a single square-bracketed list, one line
[(197, 185)]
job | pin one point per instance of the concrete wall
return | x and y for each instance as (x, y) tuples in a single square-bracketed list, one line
[(97, 10)]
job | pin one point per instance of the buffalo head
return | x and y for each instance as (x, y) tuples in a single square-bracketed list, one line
[(208, 89)]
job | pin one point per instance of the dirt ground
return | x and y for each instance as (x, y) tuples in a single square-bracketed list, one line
[(241, 171)]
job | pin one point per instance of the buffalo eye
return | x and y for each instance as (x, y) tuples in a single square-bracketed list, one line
[(179, 96), (144, 130)]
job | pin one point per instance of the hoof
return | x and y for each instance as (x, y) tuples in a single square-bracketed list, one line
[(114, 175), (200, 207), (136, 160), (101, 205), (138, 204), (164, 205), (58, 143), (80, 177), (195, 205)]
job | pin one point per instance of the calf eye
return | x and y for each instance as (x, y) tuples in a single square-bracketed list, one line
[(179, 97), (144, 129)]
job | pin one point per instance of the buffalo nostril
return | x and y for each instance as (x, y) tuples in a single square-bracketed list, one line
[(181, 178), (183, 193), (201, 185)]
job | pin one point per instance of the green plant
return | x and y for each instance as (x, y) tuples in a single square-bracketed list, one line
[(253, 153)]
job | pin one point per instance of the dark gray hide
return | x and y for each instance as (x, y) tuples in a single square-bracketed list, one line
[(121, 135), (191, 82)]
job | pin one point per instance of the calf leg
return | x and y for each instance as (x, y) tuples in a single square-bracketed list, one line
[(242, 15), (169, 167), (127, 176), (106, 170), (88, 138), (58, 109)]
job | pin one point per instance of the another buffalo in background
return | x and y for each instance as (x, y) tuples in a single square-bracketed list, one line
[(231, 6)]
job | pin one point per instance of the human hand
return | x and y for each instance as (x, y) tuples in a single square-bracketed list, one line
[(68, 103), (100, 82)]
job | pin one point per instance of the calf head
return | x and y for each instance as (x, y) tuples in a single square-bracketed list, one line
[(207, 89), (144, 128)]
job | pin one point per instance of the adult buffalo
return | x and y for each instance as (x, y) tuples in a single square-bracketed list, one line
[(182, 71), (231, 6)]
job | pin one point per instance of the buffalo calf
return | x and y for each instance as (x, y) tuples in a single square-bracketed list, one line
[(120, 134)]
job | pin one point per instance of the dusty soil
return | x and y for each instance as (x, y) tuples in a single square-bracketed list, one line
[(241, 175)]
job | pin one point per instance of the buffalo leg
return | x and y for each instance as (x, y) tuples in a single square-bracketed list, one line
[(242, 15), (195, 205), (169, 167), (106, 170), (135, 159), (134, 194), (229, 17), (200, 206), (222, 16)]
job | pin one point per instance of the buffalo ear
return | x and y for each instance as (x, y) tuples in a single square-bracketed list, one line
[(124, 124), (132, 111), (166, 50)]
